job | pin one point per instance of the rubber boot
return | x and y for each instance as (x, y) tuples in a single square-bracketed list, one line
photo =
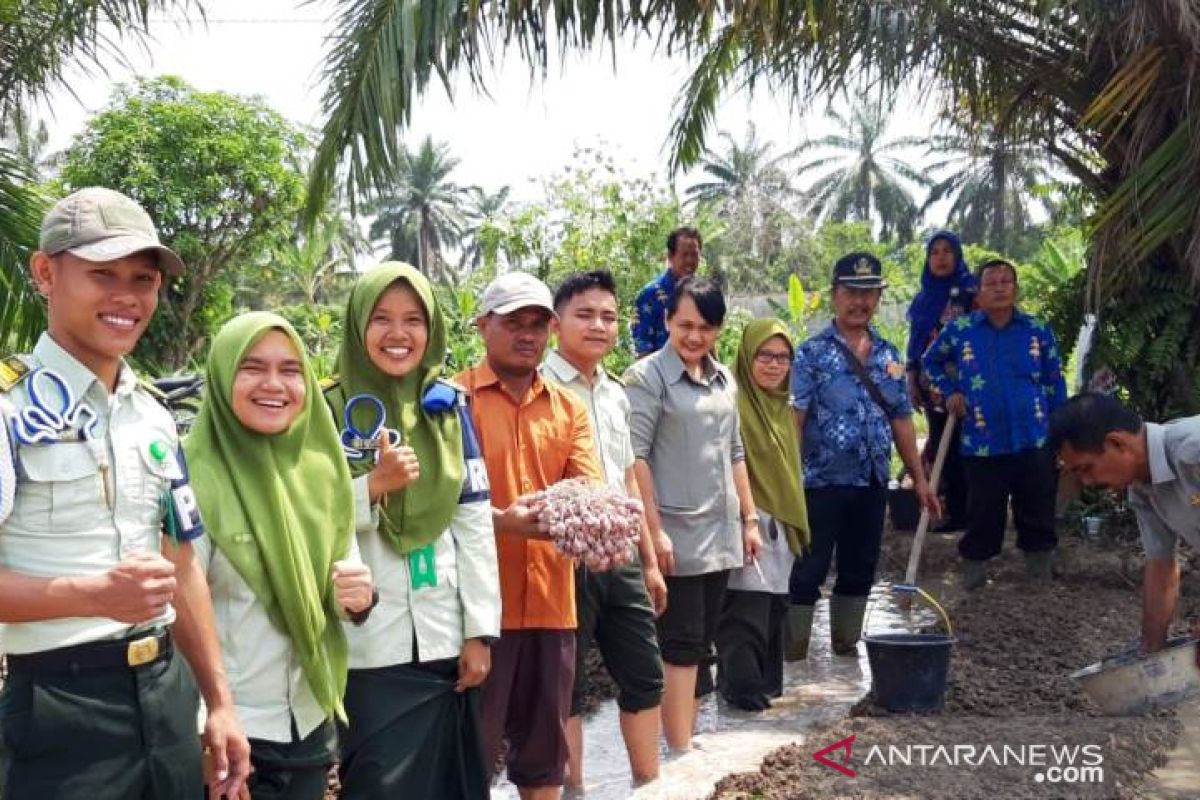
[(797, 630), (974, 574), (1039, 567), (845, 623)]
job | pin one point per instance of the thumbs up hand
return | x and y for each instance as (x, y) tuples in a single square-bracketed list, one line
[(396, 468)]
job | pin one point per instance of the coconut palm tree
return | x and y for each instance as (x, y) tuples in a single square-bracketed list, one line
[(743, 170), (860, 177), (750, 188), (992, 182), (422, 212), (1123, 74), (481, 210)]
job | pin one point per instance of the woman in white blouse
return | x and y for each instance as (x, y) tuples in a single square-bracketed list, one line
[(280, 554), (424, 525)]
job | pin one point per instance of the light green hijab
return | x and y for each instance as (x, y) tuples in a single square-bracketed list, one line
[(770, 438), (280, 508), (421, 512)]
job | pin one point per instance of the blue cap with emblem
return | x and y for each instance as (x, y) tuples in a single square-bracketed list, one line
[(859, 270)]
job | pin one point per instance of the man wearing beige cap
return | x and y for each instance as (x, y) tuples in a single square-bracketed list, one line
[(98, 586), (533, 434)]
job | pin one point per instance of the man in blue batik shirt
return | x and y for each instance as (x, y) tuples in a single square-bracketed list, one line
[(650, 309), (1000, 372), (847, 429)]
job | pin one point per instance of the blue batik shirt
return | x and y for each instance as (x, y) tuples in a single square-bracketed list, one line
[(1011, 378), (847, 437), (650, 314)]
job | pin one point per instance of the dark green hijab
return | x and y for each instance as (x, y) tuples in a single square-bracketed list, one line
[(421, 512), (280, 508)]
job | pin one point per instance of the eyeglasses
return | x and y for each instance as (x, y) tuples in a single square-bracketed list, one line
[(763, 357)]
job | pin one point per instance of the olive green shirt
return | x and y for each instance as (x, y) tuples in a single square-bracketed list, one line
[(60, 524)]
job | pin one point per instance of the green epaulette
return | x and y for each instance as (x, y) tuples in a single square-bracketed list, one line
[(13, 370), (329, 383)]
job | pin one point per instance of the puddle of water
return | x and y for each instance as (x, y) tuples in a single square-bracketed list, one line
[(730, 740)]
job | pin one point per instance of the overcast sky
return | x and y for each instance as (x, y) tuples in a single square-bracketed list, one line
[(523, 131)]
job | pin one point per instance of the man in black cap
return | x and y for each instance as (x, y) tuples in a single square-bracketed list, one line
[(851, 401)]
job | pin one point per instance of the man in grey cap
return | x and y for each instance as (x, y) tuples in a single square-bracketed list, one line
[(533, 433), (97, 581)]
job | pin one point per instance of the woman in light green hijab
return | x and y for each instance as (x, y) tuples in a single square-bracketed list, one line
[(424, 524), (750, 633), (276, 496)]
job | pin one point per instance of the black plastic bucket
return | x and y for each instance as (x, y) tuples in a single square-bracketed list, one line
[(909, 670)]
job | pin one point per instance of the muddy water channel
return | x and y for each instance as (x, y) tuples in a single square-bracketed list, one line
[(729, 740)]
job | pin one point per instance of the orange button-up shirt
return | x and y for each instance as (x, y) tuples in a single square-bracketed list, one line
[(529, 444)]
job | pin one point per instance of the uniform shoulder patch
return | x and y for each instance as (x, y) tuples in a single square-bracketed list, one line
[(13, 370), (155, 392)]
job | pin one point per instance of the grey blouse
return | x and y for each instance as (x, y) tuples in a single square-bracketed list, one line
[(687, 432)]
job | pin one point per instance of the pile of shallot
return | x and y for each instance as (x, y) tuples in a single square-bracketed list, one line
[(593, 523)]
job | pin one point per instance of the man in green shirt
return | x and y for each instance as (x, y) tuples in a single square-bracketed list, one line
[(616, 608), (98, 585)]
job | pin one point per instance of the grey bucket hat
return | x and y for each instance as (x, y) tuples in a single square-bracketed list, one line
[(98, 224)]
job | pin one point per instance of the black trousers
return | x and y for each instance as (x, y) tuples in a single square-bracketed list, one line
[(615, 614), (848, 520), (1030, 479), (127, 733), (295, 770), (750, 647), (954, 477)]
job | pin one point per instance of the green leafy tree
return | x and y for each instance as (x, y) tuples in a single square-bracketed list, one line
[(39, 43), (219, 175), (1110, 89), (859, 177), (593, 216)]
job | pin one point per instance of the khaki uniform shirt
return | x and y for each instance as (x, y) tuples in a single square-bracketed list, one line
[(60, 524), (609, 409), (1168, 507), (265, 676)]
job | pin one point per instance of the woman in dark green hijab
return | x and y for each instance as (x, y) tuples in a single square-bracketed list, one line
[(281, 560), (424, 525), (750, 634)]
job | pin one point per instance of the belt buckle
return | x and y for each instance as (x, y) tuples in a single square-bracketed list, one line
[(142, 651)]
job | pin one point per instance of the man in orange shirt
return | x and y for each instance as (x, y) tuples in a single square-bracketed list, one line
[(532, 434)]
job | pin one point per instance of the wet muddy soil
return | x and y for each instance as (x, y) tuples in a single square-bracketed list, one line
[(1017, 643)]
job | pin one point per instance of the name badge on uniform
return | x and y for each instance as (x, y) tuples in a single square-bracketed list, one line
[(422, 567)]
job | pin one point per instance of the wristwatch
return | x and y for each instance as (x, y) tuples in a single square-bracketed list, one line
[(359, 617)]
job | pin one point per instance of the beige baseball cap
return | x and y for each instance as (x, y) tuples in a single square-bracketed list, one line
[(515, 290), (98, 224)]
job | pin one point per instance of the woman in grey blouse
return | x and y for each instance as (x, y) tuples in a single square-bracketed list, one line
[(691, 469)]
